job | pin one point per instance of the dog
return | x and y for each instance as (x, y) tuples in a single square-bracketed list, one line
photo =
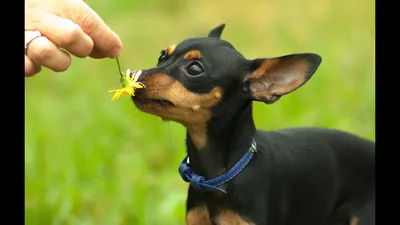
[(239, 175)]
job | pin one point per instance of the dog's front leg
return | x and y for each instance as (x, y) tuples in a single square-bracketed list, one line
[(199, 215)]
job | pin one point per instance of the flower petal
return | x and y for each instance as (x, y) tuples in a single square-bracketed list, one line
[(117, 95)]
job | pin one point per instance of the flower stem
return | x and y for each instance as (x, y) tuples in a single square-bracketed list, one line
[(119, 69)]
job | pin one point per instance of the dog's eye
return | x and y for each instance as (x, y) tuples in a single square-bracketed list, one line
[(194, 69), (162, 56)]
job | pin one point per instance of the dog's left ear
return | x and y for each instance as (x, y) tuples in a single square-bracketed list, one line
[(217, 31), (269, 79)]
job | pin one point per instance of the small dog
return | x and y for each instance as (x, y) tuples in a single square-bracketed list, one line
[(240, 175)]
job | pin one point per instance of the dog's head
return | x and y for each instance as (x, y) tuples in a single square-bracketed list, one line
[(196, 76)]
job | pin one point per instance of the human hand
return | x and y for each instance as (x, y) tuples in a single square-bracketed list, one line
[(66, 26)]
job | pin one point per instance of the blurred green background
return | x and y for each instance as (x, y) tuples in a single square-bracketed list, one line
[(92, 161)]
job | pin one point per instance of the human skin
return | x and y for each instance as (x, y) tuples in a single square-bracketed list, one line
[(67, 27)]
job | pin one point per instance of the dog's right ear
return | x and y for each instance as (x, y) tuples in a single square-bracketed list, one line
[(269, 79), (217, 31)]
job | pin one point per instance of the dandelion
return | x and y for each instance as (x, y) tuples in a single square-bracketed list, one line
[(129, 82)]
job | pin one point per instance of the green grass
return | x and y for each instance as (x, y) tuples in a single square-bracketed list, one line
[(92, 161)]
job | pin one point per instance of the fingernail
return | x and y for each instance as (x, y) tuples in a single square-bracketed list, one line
[(118, 48), (116, 52)]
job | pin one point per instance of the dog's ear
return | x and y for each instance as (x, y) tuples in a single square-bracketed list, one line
[(217, 31), (269, 79)]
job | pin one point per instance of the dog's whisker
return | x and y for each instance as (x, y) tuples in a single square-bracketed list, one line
[(229, 108), (216, 128)]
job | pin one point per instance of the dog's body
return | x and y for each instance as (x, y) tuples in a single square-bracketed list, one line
[(298, 176)]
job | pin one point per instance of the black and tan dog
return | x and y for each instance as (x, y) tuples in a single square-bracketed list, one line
[(241, 175)]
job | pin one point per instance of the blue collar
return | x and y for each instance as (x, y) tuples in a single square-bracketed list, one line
[(200, 183)]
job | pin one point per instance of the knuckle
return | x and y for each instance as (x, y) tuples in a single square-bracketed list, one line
[(45, 49), (71, 36), (87, 22)]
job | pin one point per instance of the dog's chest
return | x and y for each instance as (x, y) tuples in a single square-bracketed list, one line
[(202, 215)]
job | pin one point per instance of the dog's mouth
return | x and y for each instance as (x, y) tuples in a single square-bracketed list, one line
[(162, 102)]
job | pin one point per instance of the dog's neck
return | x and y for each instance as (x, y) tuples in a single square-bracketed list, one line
[(228, 139)]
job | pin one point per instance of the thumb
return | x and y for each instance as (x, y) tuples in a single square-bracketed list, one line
[(106, 42)]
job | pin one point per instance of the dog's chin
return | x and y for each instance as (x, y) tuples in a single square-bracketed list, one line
[(157, 107)]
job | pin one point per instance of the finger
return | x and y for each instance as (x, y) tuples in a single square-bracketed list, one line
[(95, 54), (106, 42), (30, 67), (44, 52), (99, 54), (66, 34)]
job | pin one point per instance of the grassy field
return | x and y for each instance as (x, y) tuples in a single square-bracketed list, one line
[(91, 161)]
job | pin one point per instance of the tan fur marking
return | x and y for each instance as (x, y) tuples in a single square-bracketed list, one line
[(353, 220), (265, 66), (228, 217), (194, 54), (266, 77), (195, 107), (198, 216), (171, 49), (278, 89), (190, 109)]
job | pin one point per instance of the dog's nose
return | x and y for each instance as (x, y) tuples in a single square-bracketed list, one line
[(147, 72), (142, 75)]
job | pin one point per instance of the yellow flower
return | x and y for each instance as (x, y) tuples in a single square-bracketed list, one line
[(129, 84)]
